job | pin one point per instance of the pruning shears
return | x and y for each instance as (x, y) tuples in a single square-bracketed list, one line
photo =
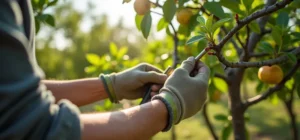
[(168, 71)]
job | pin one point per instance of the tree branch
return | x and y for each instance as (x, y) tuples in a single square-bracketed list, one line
[(175, 52), (239, 39), (208, 123), (223, 77), (258, 54), (270, 91), (255, 15), (247, 43), (156, 4), (277, 60)]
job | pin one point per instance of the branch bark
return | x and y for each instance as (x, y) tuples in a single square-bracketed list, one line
[(175, 51), (208, 123), (277, 60), (270, 91)]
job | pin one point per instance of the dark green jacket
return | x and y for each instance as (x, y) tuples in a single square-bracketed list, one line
[(27, 108)]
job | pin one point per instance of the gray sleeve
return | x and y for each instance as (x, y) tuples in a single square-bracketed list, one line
[(27, 108)]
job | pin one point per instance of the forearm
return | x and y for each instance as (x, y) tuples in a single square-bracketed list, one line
[(140, 122), (80, 92)]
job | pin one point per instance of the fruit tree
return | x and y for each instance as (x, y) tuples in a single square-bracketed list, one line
[(242, 36)]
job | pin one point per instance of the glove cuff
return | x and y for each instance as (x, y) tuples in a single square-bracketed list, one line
[(172, 107), (108, 86)]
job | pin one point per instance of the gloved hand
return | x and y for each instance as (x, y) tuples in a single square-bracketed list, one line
[(182, 94), (131, 83)]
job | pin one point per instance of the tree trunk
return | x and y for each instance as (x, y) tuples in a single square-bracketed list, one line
[(289, 108), (236, 107)]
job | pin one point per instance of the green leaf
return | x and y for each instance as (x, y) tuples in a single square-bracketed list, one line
[(296, 34), (215, 8), (289, 84), (50, 20), (292, 57), (277, 35), (37, 25), (233, 5), (184, 30), (107, 104), (195, 39), (254, 27), (169, 10), (247, 4), (226, 131), (113, 49), (286, 41), (208, 24), (259, 86), (201, 20), (161, 24), (168, 31), (283, 19), (92, 58), (122, 51), (52, 3), (221, 85), (266, 47), (181, 3), (138, 21), (146, 25), (219, 23), (90, 69), (42, 3), (221, 117), (282, 94), (274, 99), (99, 108)]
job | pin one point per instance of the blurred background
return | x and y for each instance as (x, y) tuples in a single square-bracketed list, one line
[(93, 37)]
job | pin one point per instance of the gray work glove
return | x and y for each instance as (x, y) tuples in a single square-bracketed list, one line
[(132, 83), (182, 94)]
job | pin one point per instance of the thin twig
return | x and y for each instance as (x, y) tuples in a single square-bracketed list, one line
[(208, 123), (156, 13), (156, 4), (277, 60), (175, 52), (247, 42), (239, 39), (257, 55), (270, 91)]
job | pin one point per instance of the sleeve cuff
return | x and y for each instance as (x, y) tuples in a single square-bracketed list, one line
[(169, 102), (108, 88)]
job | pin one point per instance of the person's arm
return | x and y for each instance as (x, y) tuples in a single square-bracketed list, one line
[(79, 92), (136, 123), (129, 84)]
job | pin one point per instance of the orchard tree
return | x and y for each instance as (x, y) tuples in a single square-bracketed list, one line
[(241, 36)]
